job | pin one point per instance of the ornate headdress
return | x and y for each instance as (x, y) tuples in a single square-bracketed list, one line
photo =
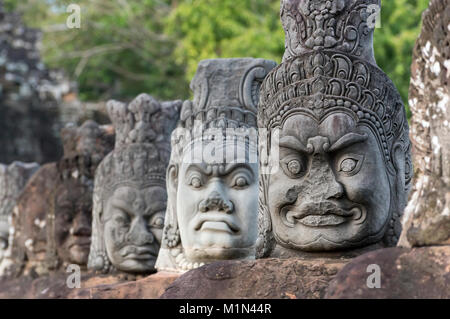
[(329, 66), (139, 159), (226, 96)]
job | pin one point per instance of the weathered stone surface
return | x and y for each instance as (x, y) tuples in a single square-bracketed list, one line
[(340, 124), (259, 279), (52, 220), (213, 205), (151, 287), (130, 195), (12, 181), (405, 273), (52, 286), (28, 242), (427, 217)]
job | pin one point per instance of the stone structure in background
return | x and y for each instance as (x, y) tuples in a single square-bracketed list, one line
[(130, 195), (12, 181), (35, 102), (212, 179), (29, 96), (427, 217), (344, 164), (51, 221), (423, 270)]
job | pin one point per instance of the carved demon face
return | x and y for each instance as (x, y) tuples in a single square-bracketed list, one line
[(73, 219), (217, 206), (133, 224), (332, 190)]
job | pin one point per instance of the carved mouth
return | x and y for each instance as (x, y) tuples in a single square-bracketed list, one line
[(217, 223), (137, 253), (330, 215), (81, 242)]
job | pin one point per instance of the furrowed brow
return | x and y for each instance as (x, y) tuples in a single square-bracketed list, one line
[(347, 140), (293, 143)]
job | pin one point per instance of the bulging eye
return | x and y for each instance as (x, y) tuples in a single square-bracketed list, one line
[(157, 221), (293, 166), (196, 182), (241, 182), (348, 165), (351, 164), (122, 219)]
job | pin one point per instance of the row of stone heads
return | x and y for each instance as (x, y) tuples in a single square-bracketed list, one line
[(159, 190)]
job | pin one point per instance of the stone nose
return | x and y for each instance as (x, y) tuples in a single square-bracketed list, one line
[(216, 201), (81, 225), (139, 234)]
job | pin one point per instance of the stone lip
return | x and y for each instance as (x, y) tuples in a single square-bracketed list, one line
[(257, 279), (419, 273)]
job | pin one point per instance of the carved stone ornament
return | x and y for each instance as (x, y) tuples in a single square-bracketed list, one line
[(130, 187), (213, 202), (341, 178), (13, 178), (51, 221)]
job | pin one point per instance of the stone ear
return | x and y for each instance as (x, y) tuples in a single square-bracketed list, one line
[(172, 178)]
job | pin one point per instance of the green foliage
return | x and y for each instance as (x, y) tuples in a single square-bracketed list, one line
[(125, 47)]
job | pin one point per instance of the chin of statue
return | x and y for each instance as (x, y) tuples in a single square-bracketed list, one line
[(320, 243), (211, 254), (137, 266)]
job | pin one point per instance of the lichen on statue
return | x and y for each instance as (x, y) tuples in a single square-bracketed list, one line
[(212, 178), (130, 195), (344, 162)]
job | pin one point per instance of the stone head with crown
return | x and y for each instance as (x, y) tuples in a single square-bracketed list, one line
[(212, 178), (130, 195), (341, 178)]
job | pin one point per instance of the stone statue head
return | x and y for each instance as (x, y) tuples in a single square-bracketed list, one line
[(130, 195), (69, 217), (341, 177), (212, 178), (55, 202), (13, 178)]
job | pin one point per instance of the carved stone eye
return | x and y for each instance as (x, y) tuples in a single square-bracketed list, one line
[(158, 222), (294, 167), (196, 182), (348, 165), (241, 182)]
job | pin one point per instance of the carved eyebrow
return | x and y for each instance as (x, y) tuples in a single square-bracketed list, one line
[(234, 166), (199, 167), (347, 140), (293, 143), (121, 204)]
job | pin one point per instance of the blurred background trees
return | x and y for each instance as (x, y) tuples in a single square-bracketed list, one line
[(126, 47)]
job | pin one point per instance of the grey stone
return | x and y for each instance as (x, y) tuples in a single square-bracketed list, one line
[(12, 181), (427, 216), (130, 195), (212, 179), (51, 223), (344, 164)]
